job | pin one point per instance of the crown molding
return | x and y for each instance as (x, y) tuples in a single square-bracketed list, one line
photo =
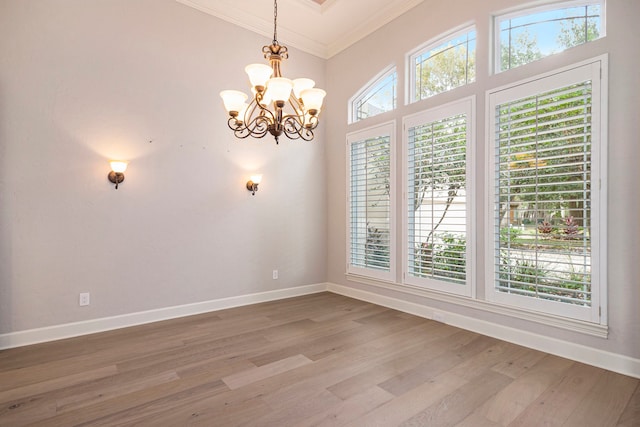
[(321, 30)]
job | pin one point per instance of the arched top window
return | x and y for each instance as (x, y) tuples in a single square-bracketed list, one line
[(376, 97), (443, 64), (530, 34)]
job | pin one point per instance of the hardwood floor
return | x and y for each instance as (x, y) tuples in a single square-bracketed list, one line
[(317, 360)]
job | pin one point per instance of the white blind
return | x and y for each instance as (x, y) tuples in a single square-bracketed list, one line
[(543, 182), (370, 204), (436, 202)]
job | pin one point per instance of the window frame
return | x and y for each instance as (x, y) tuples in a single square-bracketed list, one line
[(410, 57), (364, 90), (520, 11), (466, 106), (597, 69), (380, 130)]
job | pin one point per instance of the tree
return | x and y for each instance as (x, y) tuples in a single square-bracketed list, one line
[(574, 32), (554, 127), (439, 166), (521, 50), (450, 67)]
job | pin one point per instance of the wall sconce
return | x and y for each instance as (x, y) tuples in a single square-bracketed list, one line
[(117, 172), (252, 184)]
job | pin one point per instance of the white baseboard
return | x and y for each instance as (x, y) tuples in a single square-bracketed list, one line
[(603, 359), (68, 330), (600, 358)]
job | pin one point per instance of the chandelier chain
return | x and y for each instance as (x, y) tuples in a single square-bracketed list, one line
[(275, 21)]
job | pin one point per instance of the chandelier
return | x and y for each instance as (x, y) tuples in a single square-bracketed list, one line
[(278, 105)]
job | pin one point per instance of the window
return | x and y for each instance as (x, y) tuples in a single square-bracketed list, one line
[(529, 35), (378, 96), (437, 144), (547, 203), (445, 64), (371, 202)]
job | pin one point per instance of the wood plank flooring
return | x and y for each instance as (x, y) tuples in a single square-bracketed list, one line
[(316, 360)]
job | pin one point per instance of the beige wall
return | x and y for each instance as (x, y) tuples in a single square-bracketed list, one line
[(348, 71), (82, 82)]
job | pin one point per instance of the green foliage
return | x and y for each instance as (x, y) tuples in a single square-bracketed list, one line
[(522, 273), (377, 248), (508, 235), (446, 259), (546, 159), (577, 31), (450, 68), (523, 49)]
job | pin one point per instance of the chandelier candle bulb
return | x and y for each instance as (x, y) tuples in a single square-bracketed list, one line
[(279, 105)]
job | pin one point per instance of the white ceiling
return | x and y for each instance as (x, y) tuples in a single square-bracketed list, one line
[(320, 27)]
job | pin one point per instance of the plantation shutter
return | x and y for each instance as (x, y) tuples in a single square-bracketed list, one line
[(542, 211), (370, 204), (437, 199)]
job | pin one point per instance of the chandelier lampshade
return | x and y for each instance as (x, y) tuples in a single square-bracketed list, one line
[(278, 105)]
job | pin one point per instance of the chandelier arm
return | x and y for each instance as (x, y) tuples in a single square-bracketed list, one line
[(302, 122), (258, 126), (294, 130), (264, 112)]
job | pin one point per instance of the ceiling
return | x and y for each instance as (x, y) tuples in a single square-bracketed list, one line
[(320, 27)]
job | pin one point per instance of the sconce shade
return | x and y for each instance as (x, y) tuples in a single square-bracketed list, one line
[(301, 84), (118, 166), (252, 184), (280, 88), (312, 98), (233, 100), (258, 74), (116, 175)]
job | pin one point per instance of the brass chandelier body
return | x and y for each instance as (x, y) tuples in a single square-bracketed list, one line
[(278, 105)]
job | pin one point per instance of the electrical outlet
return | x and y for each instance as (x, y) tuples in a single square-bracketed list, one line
[(275, 274), (85, 299)]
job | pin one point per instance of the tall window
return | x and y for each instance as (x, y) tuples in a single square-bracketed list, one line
[(443, 65), (377, 97), (531, 34), (548, 151), (437, 207), (371, 202)]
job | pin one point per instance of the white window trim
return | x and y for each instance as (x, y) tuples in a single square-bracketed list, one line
[(383, 129), (596, 69), (462, 106), (544, 7), (352, 115), (410, 87)]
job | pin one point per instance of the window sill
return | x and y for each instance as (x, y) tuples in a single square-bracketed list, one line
[(579, 326)]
